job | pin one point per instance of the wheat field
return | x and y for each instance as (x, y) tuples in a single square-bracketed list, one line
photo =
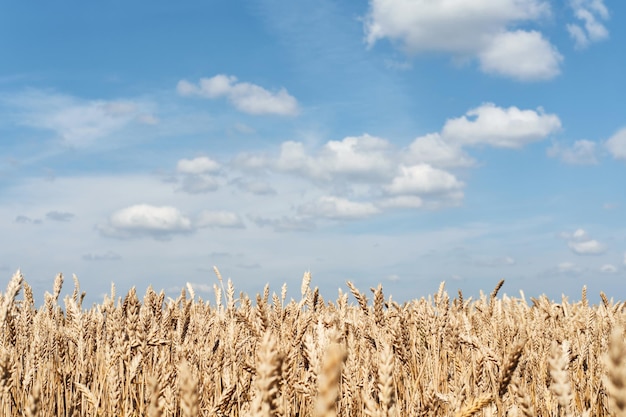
[(267, 356)]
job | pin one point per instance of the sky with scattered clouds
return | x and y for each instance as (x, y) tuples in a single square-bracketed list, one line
[(402, 142)]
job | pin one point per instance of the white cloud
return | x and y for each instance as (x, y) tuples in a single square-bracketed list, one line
[(434, 150), (463, 28), (401, 201), (197, 175), (582, 152), (499, 127), (423, 179), (587, 247), (76, 122), (578, 34), (624, 259), (568, 268), (589, 12), (522, 55), (369, 167), (200, 165), (208, 218), (451, 26), (146, 220), (359, 156), (582, 244), (246, 97), (337, 208), (608, 269), (362, 158), (617, 144)]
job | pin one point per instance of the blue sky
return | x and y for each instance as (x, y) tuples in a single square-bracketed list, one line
[(385, 141)]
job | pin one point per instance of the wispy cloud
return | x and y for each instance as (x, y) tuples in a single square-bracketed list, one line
[(27, 220), (227, 219), (569, 268), (285, 223), (77, 122), (590, 14), (608, 269), (59, 216), (332, 207), (582, 152)]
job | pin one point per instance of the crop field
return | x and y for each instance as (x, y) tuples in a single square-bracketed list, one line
[(359, 355)]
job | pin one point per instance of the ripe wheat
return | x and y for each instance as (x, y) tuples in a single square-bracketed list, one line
[(267, 356)]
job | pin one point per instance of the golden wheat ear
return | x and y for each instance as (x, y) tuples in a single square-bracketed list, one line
[(328, 381), (188, 386), (615, 380)]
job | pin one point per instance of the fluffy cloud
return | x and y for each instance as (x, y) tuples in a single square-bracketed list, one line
[(200, 165), (587, 247), (469, 29), (145, 220), (582, 244), (228, 219), (414, 177), (434, 150), (246, 97), (582, 152), (337, 208), (197, 175), (500, 127), (362, 158), (423, 179), (616, 144), (590, 13), (521, 55), (78, 123)]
